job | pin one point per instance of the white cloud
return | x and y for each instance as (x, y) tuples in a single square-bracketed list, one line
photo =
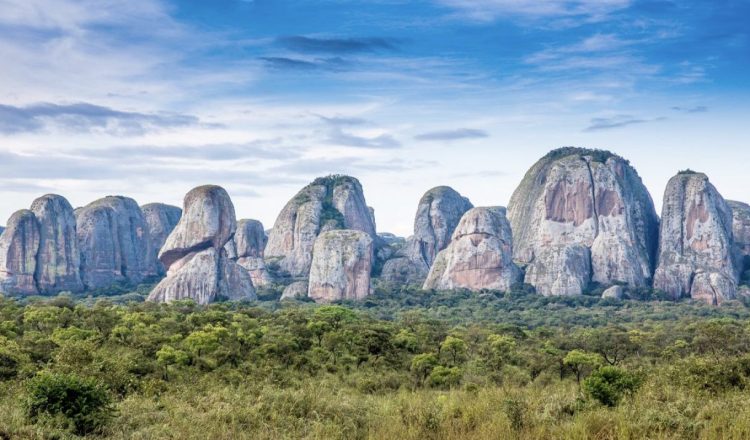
[(488, 10)]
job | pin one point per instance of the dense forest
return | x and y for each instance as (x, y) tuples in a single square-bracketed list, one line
[(406, 364)]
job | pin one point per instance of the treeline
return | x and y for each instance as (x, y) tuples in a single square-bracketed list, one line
[(408, 363)]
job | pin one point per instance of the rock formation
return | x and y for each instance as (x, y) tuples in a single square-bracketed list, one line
[(2, 229), (341, 266), (479, 256), (614, 292), (328, 203), (248, 245), (114, 242), (582, 216), (58, 259), (697, 258), (296, 290), (197, 264), (161, 220), (18, 248), (741, 226)]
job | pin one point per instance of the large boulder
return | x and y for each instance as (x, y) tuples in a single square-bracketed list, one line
[(194, 254), (697, 258), (58, 260), (479, 256), (341, 266), (18, 248), (115, 243), (328, 203), (161, 220), (248, 245), (581, 216)]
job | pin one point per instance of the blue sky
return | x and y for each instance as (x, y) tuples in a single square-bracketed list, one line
[(149, 98)]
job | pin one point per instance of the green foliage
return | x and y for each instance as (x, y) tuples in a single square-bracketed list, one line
[(610, 384), (83, 404), (445, 377), (596, 155)]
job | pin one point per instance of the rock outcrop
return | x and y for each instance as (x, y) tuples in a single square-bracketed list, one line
[(328, 203), (296, 290), (161, 220), (18, 248), (114, 242), (58, 259), (479, 256), (741, 226), (582, 216), (697, 258), (614, 292), (248, 245), (341, 265), (197, 264)]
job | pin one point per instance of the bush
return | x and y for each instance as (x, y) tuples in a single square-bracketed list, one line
[(83, 403), (445, 377), (609, 385)]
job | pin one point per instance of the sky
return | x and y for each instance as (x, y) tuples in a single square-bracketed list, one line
[(150, 98)]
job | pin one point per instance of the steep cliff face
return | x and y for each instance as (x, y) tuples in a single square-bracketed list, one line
[(741, 226), (18, 248), (248, 244), (329, 203), (582, 216), (341, 266), (479, 255), (194, 253), (58, 258), (161, 220), (697, 257)]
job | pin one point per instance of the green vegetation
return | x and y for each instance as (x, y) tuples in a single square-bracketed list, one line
[(596, 155), (405, 364)]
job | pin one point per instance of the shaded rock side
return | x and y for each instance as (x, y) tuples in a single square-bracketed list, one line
[(248, 245), (741, 226), (697, 258), (161, 219), (578, 198), (18, 248), (614, 292), (479, 256), (328, 203), (341, 266), (58, 259), (296, 290), (194, 254)]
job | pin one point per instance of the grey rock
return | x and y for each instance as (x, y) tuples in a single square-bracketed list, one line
[(19, 245), (161, 220), (341, 266), (614, 292), (479, 256), (401, 271), (296, 290), (741, 226), (249, 243), (328, 203), (580, 216), (697, 258), (2, 229), (58, 260)]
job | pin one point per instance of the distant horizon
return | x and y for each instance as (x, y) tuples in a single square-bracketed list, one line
[(150, 98)]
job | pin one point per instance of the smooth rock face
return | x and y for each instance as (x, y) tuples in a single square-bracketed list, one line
[(114, 241), (697, 258), (741, 226), (161, 220), (479, 256), (580, 216), (194, 254), (18, 248), (248, 245), (341, 266), (296, 290), (614, 292), (58, 259), (438, 213), (329, 203)]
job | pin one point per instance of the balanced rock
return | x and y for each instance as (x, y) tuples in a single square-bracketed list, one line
[(161, 220), (114, 241), (479, 256), (19, 244), (248, 245), (197, 264), (328, 203), (580, 216), (341, 266), (58, 260), (696, 254)]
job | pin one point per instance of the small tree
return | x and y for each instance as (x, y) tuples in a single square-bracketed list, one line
[(454, 348), (445, 376), (580, 362), (609, 384), (422, 365), (82, 402)]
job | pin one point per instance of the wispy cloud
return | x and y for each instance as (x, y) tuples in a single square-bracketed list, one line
[(488, 10), (452, 135), (339, 137), (286, 63), (696, 109), (619, 121), (86, 117), (271, 149), (304, 44)]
